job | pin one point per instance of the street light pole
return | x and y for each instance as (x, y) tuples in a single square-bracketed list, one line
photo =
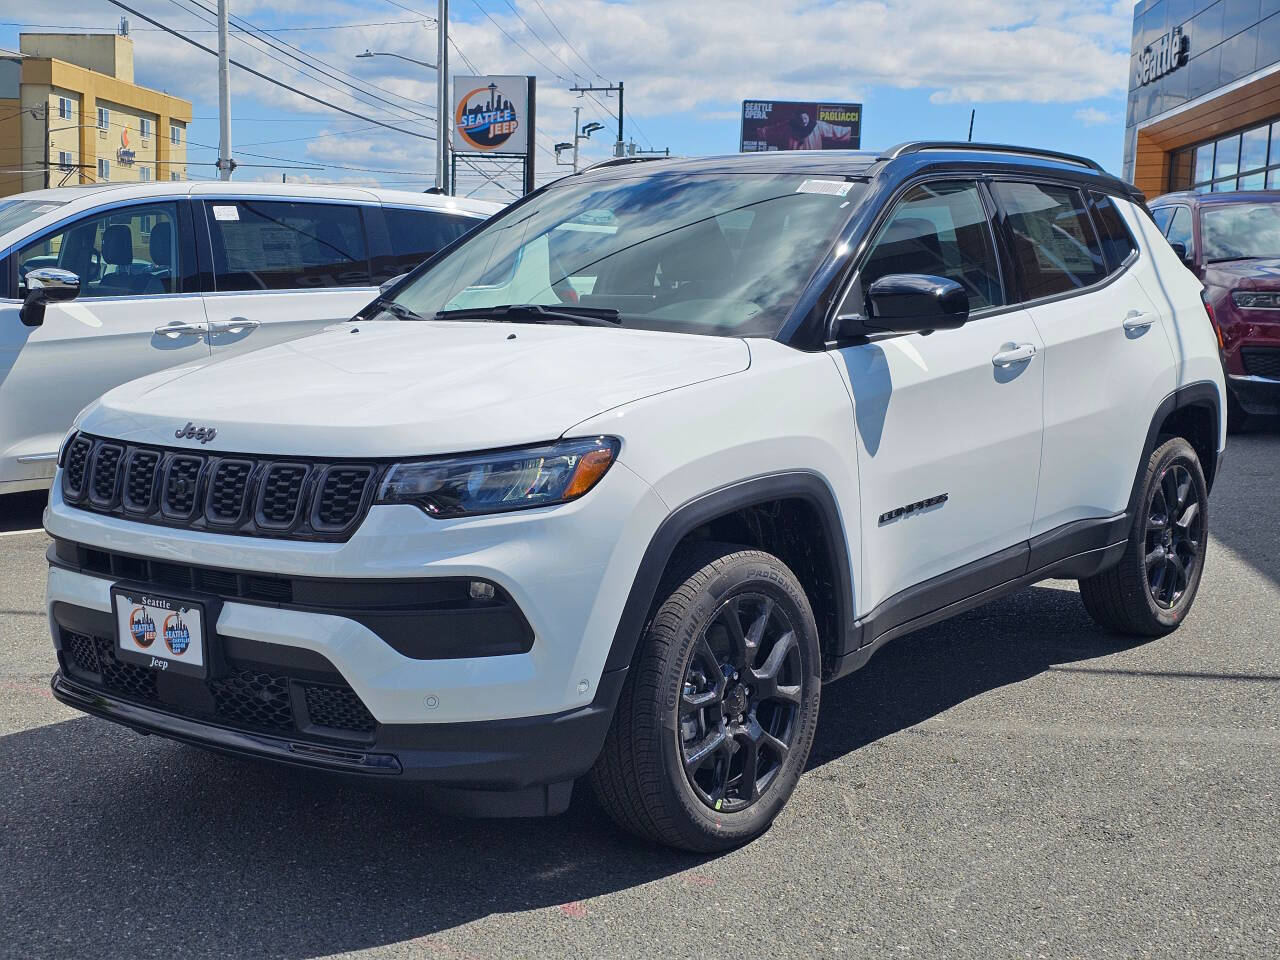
[(444, 121)]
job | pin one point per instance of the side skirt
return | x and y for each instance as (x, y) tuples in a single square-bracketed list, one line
[(1073, 551)]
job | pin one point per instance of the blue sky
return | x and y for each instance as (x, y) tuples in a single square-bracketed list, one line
[(1045, 73)]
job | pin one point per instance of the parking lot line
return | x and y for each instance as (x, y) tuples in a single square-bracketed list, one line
[(14, 533)]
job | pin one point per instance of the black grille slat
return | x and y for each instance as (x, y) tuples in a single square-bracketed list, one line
[(81, 650), (227, 489), (77, 466), (338, 708), (243, 495), (249, 698), (140, 480), (341, 497), (1261, 361), (105, 478), (181, 483)]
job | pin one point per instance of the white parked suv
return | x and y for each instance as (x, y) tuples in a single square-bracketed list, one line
[(613, 486), (103, 284)]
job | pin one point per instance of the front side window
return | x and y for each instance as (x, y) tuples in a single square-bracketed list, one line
[(279, 245), (1117, 241), (721, 254), (1240, 231), (941, 230), (1180, 229), (1053, 242), (131, 251)]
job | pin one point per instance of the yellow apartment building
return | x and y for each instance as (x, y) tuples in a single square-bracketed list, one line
[(71, 113)]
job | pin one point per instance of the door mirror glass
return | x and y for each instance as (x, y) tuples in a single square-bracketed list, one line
[(1180, 249), (44, 286)]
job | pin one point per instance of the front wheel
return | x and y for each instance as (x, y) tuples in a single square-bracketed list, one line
[(718, 712), (1151, 589)]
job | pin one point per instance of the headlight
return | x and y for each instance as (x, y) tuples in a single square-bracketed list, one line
[(1256, 299), (503, 480)]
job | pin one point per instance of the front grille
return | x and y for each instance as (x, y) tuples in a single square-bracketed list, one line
[(1262, 361), (247, 698), (250, 496)]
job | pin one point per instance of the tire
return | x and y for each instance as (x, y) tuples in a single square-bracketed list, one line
[(696, 688), (1151, 589)]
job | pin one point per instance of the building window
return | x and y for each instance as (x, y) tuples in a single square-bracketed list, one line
[(104, 118), (144, 128), (104, 169), (64, 109), (175, 134), (174, 175), (1244, 160), (65, 161), (144, 173)]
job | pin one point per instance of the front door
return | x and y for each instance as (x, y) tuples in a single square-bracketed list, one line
[(949, 423), (138, 312), (283, 269)]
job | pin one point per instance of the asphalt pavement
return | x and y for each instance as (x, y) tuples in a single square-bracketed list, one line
[(1013, 783)]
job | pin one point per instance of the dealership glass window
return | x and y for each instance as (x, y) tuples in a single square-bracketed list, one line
[(104, 169), (65, 110), (1253, 148), (939, 229), (277, 245), (104, 118), (1054, 244), (1226, 157), (132, 250), (1249, 160)]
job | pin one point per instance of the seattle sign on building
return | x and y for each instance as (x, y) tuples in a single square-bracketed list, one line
[(1163, 56)]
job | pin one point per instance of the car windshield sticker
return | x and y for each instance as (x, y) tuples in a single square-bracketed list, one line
[(832, 188), (226, 213)]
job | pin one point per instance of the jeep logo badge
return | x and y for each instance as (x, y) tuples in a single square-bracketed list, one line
[(192, 432)]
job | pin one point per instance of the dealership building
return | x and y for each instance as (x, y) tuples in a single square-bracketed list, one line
[(70, 113)]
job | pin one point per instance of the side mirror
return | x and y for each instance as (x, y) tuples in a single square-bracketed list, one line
[(906, 303), (388, 284), (1181, 250), (46, 285)]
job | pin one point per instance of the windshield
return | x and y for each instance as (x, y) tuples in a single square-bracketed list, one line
[(16, 211), (1240, 231), (722, 254)]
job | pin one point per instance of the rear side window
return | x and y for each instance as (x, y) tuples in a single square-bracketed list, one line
[(279, 245), (1117, 241), (417, 235), (1053, 241), (939, 229)]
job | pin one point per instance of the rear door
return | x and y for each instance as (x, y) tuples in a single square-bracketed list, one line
[(949, 423), (1107, 360), (282, 268), (139, 311)]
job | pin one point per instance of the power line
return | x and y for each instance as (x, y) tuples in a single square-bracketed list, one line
[(423, 18), (503, 30), (272, 80), (528, 27), (566, 40)]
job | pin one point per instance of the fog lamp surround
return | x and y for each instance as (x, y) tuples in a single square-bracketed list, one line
[(503, 480), (1256, 299)]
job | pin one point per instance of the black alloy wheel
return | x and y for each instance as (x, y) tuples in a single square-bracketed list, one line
[(740, 702), (1174, 536)]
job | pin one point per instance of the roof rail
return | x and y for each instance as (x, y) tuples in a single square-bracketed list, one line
[(621, 161), (919, 146)]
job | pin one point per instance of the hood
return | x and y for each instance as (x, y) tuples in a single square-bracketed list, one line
[(1244, 274), (386, 389)]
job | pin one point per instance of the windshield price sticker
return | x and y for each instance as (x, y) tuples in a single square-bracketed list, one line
[(832, 188), (226, 213)]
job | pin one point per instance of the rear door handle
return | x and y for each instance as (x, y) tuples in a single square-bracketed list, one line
[(1018, 353), (236, 325), (175, 330), (1137, 320)]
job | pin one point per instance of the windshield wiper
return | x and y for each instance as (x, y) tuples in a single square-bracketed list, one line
[(537, 313), (397, 309)]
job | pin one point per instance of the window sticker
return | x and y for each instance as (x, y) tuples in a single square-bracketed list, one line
[(832, 188), (226, 213)]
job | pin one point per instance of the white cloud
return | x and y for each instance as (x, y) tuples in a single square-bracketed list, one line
[(1093, 117)]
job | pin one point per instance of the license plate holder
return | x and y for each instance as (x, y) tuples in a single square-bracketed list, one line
[(163, 633)]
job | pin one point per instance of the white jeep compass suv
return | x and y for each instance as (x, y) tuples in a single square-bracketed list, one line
[(611, 486)]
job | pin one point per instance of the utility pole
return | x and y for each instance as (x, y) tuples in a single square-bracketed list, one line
[(444, 119), (577, 135), (619, 146), (225, 163)]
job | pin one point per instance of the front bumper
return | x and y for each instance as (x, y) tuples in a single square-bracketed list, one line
[(1257, 395)]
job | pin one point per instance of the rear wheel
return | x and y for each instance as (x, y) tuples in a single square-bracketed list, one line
[(1151, 589), (717, 715)]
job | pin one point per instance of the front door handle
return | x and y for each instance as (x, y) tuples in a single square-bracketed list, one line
[(1137, 320), (235, 325), (175, 330), (1015, 353)]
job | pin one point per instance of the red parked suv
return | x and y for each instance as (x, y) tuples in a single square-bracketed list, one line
[(1231, 241)]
